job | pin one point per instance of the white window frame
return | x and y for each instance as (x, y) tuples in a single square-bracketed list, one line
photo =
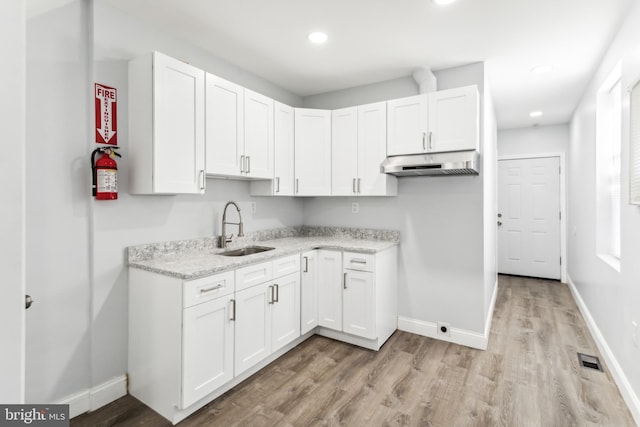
[(608, 168)]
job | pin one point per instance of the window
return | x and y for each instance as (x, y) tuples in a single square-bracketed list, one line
[(608, 148)]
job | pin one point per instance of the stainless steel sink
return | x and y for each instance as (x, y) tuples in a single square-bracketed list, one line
[(247, 250)]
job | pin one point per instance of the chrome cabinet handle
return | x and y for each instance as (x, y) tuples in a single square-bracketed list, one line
[(203, 181), (358, 261), (233, 310), (213, 288), (297, 186), (276, 287), (271, 292), (306, 264), (424, 140), (241, 164), (353, 186), (358, 185), (248, 164), (344, 280), (430, 140), (277, 184), (27, 301)]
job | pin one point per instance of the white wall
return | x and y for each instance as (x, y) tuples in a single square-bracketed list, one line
[(12, 225), (76, 266), (441, 262), (612, 297), (533, 140)]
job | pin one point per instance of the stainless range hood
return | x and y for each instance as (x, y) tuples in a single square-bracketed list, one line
[(451, 163)]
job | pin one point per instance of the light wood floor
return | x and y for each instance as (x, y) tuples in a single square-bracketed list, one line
[(529, 376)]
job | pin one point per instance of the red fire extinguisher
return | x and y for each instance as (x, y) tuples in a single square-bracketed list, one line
[(105, 173)]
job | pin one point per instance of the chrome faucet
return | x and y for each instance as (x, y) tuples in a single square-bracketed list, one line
[(223, 239)]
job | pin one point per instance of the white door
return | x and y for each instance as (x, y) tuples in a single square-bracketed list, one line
[(285, 311), (344, 151), (359, 304), (407, 121), (372, 143), (224, 126), (309, 292), (453, 120), (253, 326), (178, 122), (313, 152), (330, 289), (258, 135), (529, 217), (284, 146), (12, 128), (207, 348)]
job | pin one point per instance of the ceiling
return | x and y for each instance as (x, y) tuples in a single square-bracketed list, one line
[(377, 40)]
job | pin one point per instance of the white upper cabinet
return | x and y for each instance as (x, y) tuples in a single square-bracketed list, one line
[(224, 126), (258, 135), (358, 147), (408, 124), (166, 126), (344, 151), (283, 165), (446, 120), (453, 119), (312, 152)]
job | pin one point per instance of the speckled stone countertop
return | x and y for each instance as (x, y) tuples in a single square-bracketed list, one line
[(190, 259)]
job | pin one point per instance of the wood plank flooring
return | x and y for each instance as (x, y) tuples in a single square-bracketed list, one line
[(529, 376)]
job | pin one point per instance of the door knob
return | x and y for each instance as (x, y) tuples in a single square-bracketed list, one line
[(27, 301), (499, 223)]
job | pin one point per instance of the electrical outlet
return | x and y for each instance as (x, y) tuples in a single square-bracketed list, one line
[(355, 207), (253, 207), (634, 333), (444, 329)]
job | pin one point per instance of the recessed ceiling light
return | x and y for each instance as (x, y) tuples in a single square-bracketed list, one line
[(541, 69), (442, 2), (535, 114), (317, 37)]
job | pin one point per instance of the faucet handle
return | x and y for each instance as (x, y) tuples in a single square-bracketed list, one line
[(229, 239)]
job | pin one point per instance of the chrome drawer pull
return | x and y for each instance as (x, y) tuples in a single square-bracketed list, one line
[(359, 261), (213, 288)]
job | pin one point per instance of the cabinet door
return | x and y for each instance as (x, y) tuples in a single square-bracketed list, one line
[(224, 126), (258, 135), (372, 150), (178, 127), (285, 311), (408, 122), (330, 289), (359, 310), (344, 151), (453, 119), (207, 348), (309, 292), (253, 326), (312, 152), (284, 154)]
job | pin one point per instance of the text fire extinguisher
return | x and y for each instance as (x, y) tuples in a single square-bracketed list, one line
[(105, 173)]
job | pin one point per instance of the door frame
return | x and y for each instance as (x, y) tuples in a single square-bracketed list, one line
[(563, 201)]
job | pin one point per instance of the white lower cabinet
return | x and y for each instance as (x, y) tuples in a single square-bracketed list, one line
[(207, 343), (285, 310), (330, 289), (359, 304), (253, 327), (309, 291)]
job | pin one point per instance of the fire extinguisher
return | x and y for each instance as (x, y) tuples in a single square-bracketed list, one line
[(105, 173)]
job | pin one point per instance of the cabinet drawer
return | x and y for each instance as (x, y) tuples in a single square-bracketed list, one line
[(207, 288), (253, 275), (356, 261), (286, 265)]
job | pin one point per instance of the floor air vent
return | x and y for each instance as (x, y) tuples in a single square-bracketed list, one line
[(589, 361)]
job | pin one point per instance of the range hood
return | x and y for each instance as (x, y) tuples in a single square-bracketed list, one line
[(450, 163)]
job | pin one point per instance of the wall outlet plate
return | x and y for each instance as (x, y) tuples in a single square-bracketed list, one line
[(254, 208), (444, 329), (355, 207)]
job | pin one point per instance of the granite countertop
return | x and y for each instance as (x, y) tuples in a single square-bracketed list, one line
[(199, 257)]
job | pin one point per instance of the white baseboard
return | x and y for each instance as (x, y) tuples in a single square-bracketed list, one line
[(96, 397), (629, 396), (457, 336), (430, 329)]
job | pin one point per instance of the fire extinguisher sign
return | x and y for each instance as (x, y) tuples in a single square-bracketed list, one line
[(106, 114)]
